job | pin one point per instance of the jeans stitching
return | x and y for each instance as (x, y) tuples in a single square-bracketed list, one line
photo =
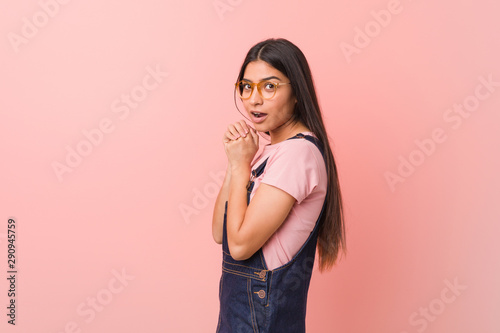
[(250, 267), (252, 312), (241, 274)]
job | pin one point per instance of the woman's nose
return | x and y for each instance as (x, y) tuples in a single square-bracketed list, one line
[(256, 98)]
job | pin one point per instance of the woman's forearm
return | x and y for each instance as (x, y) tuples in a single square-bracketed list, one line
[(237, 204)]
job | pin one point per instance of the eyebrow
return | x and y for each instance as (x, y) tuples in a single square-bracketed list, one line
[(264, 79)]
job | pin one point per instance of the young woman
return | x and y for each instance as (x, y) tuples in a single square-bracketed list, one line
[(274, 209)]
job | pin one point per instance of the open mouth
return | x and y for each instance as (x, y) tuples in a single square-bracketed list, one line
[(259, 114)]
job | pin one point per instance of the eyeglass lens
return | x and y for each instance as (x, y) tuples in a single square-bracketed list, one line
[(266, 89)]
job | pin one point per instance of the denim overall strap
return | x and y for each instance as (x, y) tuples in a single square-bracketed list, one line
[(255, 173), (255, 299)]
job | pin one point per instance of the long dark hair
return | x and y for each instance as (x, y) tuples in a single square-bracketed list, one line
[(289, 60)]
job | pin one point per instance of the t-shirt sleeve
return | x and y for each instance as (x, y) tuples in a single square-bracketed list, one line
[(294, 169)]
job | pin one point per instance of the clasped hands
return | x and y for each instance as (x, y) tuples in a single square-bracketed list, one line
[(241, 143)]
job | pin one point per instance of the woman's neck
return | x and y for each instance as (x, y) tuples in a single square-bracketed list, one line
[(284, 132)]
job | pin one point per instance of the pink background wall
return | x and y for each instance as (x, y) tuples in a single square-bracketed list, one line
[(119, 238)]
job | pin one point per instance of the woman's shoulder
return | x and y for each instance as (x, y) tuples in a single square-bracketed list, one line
[(297, 167), (300, 145), (298, 150), (292, 141)]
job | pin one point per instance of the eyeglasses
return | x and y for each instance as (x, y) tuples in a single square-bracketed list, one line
[(266, 89)]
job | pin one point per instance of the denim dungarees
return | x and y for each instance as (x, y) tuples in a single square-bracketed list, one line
[(255, 299)]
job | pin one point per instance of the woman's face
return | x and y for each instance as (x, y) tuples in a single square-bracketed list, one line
[(268, 115)]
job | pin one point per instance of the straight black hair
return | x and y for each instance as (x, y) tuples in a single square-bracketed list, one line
[(289, 60)]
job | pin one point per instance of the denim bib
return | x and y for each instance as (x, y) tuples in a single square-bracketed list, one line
[(258, 300)]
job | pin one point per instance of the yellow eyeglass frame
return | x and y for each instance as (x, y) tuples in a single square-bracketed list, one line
[(259, 86)]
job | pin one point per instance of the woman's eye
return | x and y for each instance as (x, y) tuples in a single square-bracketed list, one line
[(246, 86), (269, 86)]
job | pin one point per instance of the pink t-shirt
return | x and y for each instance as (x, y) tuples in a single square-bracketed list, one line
[(297, 167)]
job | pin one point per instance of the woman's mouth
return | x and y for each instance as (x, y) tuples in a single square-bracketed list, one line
[(258, 117)]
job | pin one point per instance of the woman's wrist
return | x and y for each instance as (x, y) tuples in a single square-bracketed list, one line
[(240, 169)]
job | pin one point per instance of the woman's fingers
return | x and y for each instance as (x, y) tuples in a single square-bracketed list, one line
[(236, 131), (240, 128), (244, 127), (231, 133), (255, 137)]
